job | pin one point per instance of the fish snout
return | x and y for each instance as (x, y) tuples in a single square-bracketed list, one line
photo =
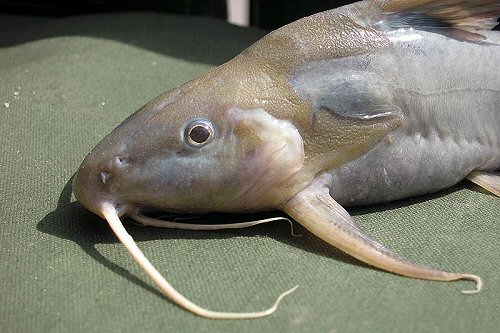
[(93, 183)]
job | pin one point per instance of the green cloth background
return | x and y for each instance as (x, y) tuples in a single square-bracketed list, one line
[(62, 269)]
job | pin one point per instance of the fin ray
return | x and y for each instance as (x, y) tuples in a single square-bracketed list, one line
[(456, 19), (318, 212), (490, 181)]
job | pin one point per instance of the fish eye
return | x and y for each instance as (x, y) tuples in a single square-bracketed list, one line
[(199, 132)]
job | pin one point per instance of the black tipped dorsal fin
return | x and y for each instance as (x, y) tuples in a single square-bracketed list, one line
[(458, 19)]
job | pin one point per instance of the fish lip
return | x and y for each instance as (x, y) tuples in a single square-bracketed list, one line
[(122, 209)]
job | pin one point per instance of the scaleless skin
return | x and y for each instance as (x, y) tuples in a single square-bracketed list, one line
[(449, 97), (371, 102)]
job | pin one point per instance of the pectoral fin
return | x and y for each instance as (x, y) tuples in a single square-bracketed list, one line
[(490, 181), (318, 212), (335, 139)]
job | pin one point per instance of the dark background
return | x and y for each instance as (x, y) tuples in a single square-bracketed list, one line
[(264, 13)]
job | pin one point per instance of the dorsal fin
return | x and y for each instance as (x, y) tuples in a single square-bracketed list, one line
[(458, 19)]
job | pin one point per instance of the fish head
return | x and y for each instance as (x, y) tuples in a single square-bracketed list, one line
[(240, 138), (187, 151)]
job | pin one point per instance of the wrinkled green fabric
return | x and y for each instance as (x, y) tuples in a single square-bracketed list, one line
[(65, 83)]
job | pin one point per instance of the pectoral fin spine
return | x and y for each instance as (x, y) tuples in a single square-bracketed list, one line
[(318, 212), (488, 180)]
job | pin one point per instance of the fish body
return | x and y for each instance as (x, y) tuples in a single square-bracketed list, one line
[(371, 102), (448, 93)]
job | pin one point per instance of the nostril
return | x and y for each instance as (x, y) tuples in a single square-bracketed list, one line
[(120, 160), (104, 177)]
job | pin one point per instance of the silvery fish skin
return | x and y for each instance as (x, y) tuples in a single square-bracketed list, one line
[(371, 102), (448, 92)]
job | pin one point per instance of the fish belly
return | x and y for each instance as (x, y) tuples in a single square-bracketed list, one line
[(409, 165)]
